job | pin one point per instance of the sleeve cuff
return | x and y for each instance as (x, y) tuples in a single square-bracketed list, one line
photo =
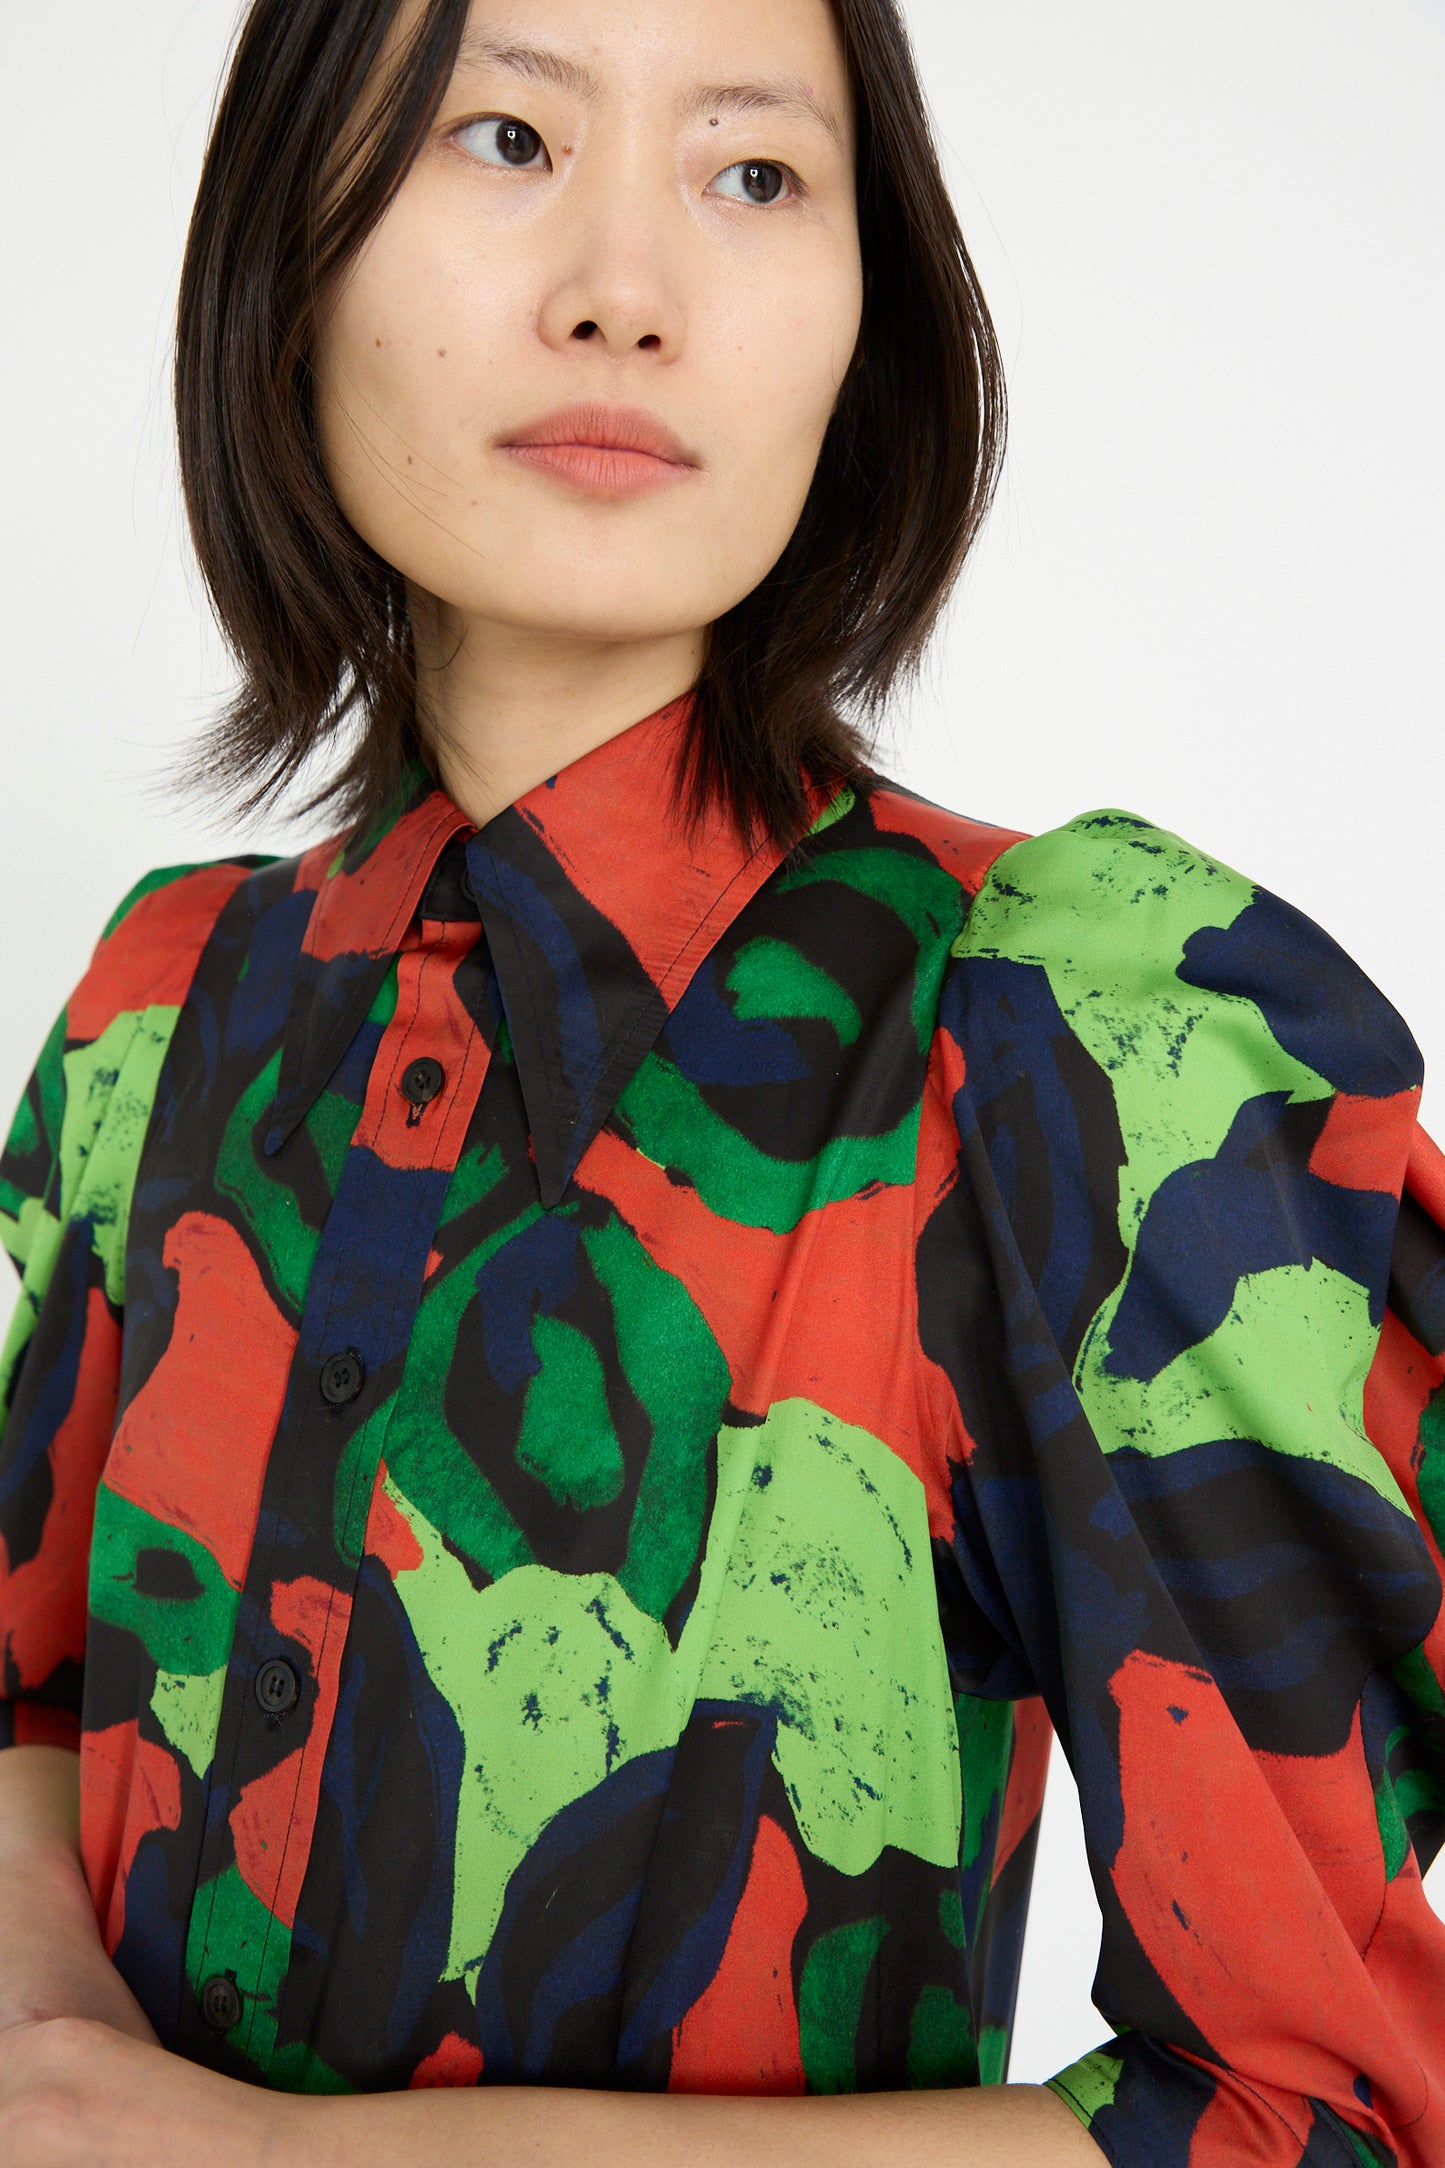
[(1143, 2102)]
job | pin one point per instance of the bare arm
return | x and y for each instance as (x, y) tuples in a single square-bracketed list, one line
[(52, 1961), (82, 2096), (995, 2126), (103, 2101)]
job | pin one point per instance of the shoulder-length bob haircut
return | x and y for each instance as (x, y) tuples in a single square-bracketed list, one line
[(793, 676)]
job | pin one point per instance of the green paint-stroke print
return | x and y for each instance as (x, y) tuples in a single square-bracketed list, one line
[(815, 1600), (830, 1999), (773, 979), (110, 1089), (1089, 2084), (232, 1931), (567, 1439), (188, 1635), (673, 1125), (267, 1201), (37, 1239), (27, 1134), (1098, 904), (1288, 1366), (918, 891), (824, 1608), (187, 1706), (993, 2047), (676, 1368), (941, 2046)]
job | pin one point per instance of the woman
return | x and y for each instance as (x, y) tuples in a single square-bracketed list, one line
[(604, 1351)]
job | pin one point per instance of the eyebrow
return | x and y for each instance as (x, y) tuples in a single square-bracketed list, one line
[(788, 95)]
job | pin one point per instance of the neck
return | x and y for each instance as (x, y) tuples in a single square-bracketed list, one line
[(502, 707)]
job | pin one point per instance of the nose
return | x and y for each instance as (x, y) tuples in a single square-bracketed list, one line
[(612, 256)]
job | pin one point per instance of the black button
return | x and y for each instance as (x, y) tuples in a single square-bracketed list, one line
[(220, 2003), (276, 1686), (423, 1080), (342, 1377)]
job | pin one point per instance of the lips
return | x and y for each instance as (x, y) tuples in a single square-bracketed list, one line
[(604, 428)]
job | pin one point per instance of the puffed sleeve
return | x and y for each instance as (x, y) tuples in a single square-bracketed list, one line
[(1188, 1292), (65, 1180)]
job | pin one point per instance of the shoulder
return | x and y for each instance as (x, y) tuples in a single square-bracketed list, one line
[(148, 949), (887, 815), (73, 1142), (1157, 954)]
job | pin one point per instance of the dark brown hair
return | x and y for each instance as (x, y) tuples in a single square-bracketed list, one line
[(794, 676)]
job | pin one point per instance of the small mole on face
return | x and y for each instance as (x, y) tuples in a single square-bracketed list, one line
[(409, 460), (441, 353), (378, 342)]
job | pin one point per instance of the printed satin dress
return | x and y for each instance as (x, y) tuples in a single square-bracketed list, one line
[(586, 1398)]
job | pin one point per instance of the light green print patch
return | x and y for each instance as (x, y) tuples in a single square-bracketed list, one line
[(188, 1709), (826, 1610), (1287, 1366), (1089, 2084), (1105, 906), (815, 1600), (109, 1092)]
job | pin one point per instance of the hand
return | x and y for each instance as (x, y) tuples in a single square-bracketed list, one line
[(78, 2094)]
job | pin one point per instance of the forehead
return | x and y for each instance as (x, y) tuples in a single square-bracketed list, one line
[(779, 57)]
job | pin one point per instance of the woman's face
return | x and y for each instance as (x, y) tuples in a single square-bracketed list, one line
[(628, 203)]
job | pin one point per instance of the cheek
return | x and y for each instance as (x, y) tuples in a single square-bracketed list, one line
[(780, 369), (409, 343)]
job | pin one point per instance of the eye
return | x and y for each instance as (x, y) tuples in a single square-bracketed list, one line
[(499, 139), (763, 181)]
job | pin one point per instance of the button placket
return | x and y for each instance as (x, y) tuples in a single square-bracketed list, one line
[(420, 1083), (220, 2002), (277, 1686), (426, 1009)]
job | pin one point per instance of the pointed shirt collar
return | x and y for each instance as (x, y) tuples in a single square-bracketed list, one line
[(597, 904)]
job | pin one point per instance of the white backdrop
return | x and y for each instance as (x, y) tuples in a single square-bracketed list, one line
[(1210, 592)]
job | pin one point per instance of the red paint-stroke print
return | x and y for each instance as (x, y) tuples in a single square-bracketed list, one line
[(1028, 1772), (128, 1787), (741, 2035), (938, 1173), (430, 1019), (192, 1446), (1425, 1175), (43, 1599), (364, 913), (1251, 2123), (151, 957), (453, 2061), (602, 829), (389, 1536), (964, 848), (1230, 1909), (795, 1315), (35, 1725), (1401, 1381), (274, 1818), (1329, 1803), (1365, 1142), (1407, 1965)]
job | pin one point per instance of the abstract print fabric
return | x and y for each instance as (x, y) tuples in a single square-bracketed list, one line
[(586, 1398)]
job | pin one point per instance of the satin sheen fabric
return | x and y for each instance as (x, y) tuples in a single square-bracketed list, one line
[(838, 1320)]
